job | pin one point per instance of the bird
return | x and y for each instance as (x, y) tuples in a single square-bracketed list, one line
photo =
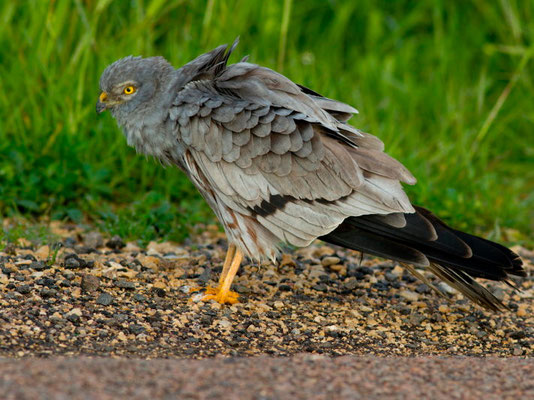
[(280, 165)]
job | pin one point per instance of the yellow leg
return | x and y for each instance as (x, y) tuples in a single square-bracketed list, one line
[(227, 262), (223, 294), (226, 266)]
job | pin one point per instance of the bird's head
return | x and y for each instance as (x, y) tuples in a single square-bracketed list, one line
[(131, 83)]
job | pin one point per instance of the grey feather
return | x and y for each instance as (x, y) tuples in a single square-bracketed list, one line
[(280, 144)]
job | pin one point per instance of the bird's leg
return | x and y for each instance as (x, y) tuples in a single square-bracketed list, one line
[(227, 262), (226, 266), (223, 294)]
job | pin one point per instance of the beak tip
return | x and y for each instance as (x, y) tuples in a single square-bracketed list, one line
[(100, 107)]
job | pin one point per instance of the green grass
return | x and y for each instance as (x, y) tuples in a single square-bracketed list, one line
[(447, 85)]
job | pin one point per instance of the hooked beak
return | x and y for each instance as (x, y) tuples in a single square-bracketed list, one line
[(101, 103)]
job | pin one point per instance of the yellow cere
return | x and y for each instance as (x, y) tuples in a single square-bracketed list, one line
[(103, 97), (129, 90)]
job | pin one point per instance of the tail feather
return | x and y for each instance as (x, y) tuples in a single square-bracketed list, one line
[(425, 241)]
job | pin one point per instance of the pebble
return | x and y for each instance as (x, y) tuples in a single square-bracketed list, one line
[(409, 295), (224, 323), (522, 310), (139, 297), (115, 243), (38, 266), (391, 277), (94, 240), (278, 305), (90, 283), (499, 293), (422, 289), (339, 268), (351, 284), (45, 292), (362, 314), (330, 260), (23, 289), (446, 288), (136, 329), (104, 299), (444, 309), (72, 263), (124, 284)]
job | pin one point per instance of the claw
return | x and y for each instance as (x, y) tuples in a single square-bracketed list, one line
[(229, 298)]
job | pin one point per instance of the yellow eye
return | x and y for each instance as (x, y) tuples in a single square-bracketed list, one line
[(129, 90)]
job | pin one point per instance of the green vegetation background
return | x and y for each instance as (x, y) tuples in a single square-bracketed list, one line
[(447, 85)]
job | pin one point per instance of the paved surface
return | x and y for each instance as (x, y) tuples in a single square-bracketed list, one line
[(299, 377)]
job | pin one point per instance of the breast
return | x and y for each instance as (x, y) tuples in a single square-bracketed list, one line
[(155, 139)]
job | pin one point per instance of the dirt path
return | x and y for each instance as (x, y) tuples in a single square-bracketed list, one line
[(300, 377)]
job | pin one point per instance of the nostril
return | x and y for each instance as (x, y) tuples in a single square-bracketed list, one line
[(103, 97)]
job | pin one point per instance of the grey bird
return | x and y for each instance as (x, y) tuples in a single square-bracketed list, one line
[(278, 163)]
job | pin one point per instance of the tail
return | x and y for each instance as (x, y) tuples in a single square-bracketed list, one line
[(422, 240)]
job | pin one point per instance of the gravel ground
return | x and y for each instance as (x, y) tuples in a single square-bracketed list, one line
[(104, 297), (95, 296), (265, 378)]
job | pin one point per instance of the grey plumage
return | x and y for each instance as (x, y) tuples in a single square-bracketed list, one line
[(276, 161)]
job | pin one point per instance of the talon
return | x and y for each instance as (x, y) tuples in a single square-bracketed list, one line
[(230, 298), (222, 293), (207, 290)]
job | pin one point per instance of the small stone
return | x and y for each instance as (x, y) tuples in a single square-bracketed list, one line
[(422, 289), (330, 260), (446, 288), (104, 299), (69, 275), (46, 292), (38, 266), (518, 351), (391, 277), (398, 270), (522, 310), (73, 317), (284, 287), (42, 252), (72, 262), (90, 283), (23, 289), (499, 293), (444, 309), (204, 277), (136, 329), (518, 335), (124, 284), (351, 284), (278, 305), (321, 287), (69, 242), (115, 243), (336, 267), (224, 323), (287, 259), (139, 297), (94, 240), (159, 291), (409, 295)]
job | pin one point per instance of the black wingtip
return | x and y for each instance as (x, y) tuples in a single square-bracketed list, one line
[(456, 257)]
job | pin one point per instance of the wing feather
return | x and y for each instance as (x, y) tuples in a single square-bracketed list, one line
[(271, 150)]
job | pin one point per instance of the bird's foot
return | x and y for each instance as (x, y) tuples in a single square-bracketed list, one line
[(211, 293), (220, 296)]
